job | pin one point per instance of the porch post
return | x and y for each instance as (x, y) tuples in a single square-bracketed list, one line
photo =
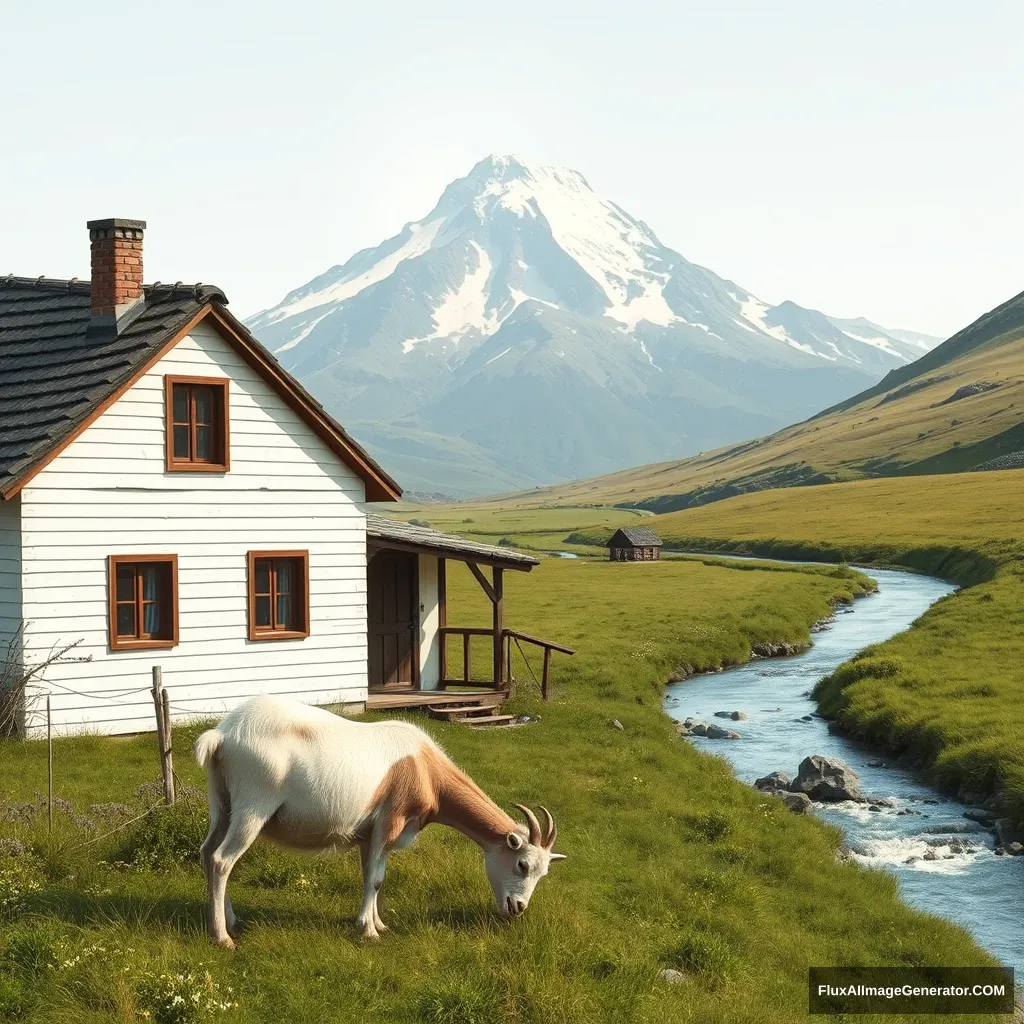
[(499, 665), (442, 621)]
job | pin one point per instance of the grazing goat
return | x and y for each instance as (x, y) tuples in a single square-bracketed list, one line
[(306, 778)]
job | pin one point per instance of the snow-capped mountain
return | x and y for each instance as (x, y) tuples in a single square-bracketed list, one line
[(528, 329)]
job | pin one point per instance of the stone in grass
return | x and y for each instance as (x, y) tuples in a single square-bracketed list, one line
[(616, 724), (798, 803), (672, 976)]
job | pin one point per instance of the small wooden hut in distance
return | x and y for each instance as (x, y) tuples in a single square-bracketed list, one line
[(634, 544)]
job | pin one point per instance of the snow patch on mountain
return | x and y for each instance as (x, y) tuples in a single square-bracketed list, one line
[(754, 312), (420, 238)]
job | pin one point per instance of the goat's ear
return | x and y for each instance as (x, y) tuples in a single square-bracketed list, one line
[(557, 856), (514, 840)]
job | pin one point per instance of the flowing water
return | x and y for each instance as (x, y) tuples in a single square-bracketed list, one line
[(974, 888)]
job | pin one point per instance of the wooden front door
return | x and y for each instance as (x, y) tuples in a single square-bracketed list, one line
[(393, 620)]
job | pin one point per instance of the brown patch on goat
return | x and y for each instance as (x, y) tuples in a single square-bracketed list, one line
[(426, 787), (302, 731)]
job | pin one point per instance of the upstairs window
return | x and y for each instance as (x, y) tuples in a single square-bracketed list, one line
[(278, 595), (197, 424), (143, 601)]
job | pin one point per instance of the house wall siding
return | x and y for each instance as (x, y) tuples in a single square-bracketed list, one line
[(10, 575), (108, 493), (430, 659)]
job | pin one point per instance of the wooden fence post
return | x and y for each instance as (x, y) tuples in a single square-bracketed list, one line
[(49, 768), (161, 705)]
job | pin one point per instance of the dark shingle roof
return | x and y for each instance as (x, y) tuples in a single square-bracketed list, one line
[(53, 372), (639, 536), (381, 528)]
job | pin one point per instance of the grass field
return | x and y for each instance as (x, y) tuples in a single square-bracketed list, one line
[(950, 690), (535, 529), (672, 863)]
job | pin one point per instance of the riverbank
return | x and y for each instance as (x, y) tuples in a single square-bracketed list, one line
[(673, 864), (947, 862), (947, 694)]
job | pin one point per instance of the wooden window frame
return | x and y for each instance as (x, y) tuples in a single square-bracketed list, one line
[(130, 644), (222, 435), (262, 632)]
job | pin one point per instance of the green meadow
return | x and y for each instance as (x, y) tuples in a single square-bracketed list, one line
[(951, 689), (672, 863)]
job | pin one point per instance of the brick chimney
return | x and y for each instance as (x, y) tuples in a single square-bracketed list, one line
[(116, 246)]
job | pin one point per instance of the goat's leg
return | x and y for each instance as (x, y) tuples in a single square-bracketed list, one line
[(242, 831), (373, 860), (219, 820)]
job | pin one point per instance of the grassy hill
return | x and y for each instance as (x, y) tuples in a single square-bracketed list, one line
[(957, 408)]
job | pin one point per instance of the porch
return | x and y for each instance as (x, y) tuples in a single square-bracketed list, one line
[(415, 658)]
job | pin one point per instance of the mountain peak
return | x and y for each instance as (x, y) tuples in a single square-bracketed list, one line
[(525, 307), (508, 167)]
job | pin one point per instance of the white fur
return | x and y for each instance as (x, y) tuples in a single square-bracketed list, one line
[(309, 778)]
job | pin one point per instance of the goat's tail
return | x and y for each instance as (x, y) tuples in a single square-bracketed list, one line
[(207, 746)]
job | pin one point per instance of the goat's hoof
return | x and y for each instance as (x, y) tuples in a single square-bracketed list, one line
[(226, 943), (370, 934)]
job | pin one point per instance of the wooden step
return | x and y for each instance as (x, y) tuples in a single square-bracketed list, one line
[(380, 700), (460, 712), (489, 721)]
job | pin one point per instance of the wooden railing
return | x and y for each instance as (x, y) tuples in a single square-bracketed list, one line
[(508, 638)]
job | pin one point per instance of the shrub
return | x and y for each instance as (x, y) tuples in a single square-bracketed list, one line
[(166, 837)]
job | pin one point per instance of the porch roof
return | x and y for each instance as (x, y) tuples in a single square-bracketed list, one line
[(390, 533)]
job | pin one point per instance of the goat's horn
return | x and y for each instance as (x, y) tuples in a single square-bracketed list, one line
[(531, 819), (550, 829)]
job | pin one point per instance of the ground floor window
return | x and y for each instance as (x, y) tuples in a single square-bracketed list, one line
[(143, 609), (278, 595)]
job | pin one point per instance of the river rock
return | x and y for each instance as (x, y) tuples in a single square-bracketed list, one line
[(827, 779), (736, 716), (776, 650), (798, 803), (716, 732), (1007, 834), (930, 855), (774, 782), (981, 816), (1015, 849), (876, 763)]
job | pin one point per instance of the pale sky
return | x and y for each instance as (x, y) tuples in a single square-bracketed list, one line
[(862, 157)]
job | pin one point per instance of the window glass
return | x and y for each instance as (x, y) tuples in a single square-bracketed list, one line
[(143, 601), (180, 403)]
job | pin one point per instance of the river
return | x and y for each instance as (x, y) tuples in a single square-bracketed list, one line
[(977, 890)]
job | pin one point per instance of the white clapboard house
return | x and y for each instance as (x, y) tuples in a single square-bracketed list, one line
[(170, 496)]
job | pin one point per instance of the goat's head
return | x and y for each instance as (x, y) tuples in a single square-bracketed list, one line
[(515, 866)]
